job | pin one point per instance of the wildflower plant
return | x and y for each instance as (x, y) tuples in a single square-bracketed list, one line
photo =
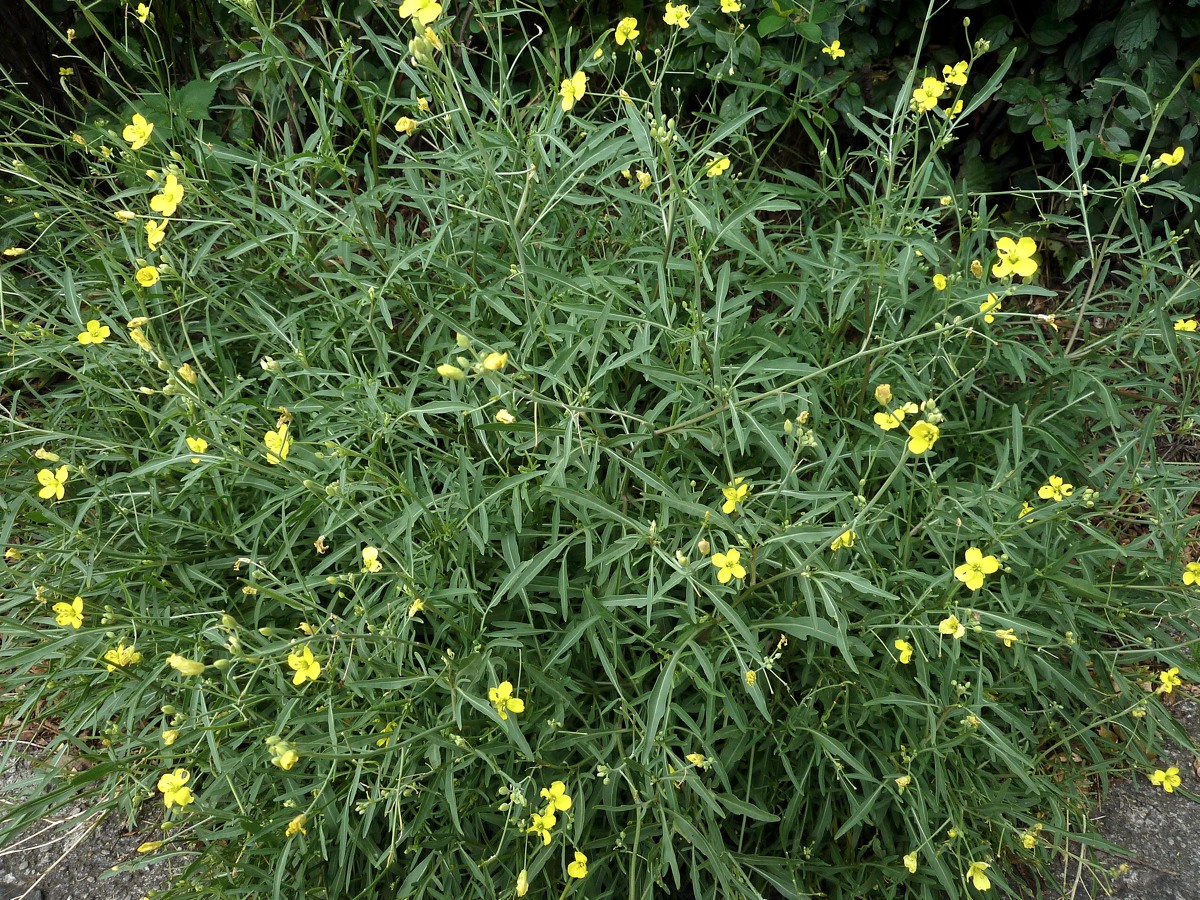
[(559, 492)]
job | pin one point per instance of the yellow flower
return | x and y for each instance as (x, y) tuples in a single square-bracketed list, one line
[(370, 559), (1191, 572), (95, 333), (578, 869), (285, 758), (196, 445), (883, 394), (305, 665), (541, 823), (845, 539), (905, 649), (185, 666), (887, 421), (572, 90), (735, 494), (1026, 509), (976, 268), (922, 437), (431, 37), (423, 104), (156, 233), (1055, 489), (121, 656), (494, 362), (910, 862), (1007, 635), (142, 13), (187, 373), (975, 871), (53, 483), (699, 760), (12, 554), (278, 443), (939, 282), (717, 166), (729, 566), (1015, 256), (502, 698), (557, 794), (1168, 780), (173, 788), (147, 276), (138, 337), (902, 782), (677, 15), (424, 11), (951, 627), (321, 546), (170, 736), (137, 132), (12, 252), (834, 50), (926, 96), (522, 883), (751, 677), (415, 607), (627, 30), (296, 826), (504, 417), (644, 181), (454, 373), (168, 200), (1186, 324), (1170, 680), (406, 125), (989, 306), (977, 566), (956, 74), (1173, 158), (731, 6), (149, 846), (70, 614)]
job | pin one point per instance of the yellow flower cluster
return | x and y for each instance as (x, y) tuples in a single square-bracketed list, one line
[(557, 800), (121, 656), (283, 754), (923, 434)]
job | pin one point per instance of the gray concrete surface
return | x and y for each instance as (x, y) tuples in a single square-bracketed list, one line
[(1161, 830), (71, 856)]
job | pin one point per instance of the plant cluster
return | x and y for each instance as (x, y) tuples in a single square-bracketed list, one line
[(453, 486)]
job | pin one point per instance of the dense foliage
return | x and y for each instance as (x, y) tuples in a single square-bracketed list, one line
[(441, 462)]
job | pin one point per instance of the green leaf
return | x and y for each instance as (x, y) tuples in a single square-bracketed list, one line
[(809, 32), (742, 808), (769, 24), (1136, 27), (194, 99)]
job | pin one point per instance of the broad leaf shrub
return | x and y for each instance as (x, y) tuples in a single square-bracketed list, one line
[(491, 492)]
